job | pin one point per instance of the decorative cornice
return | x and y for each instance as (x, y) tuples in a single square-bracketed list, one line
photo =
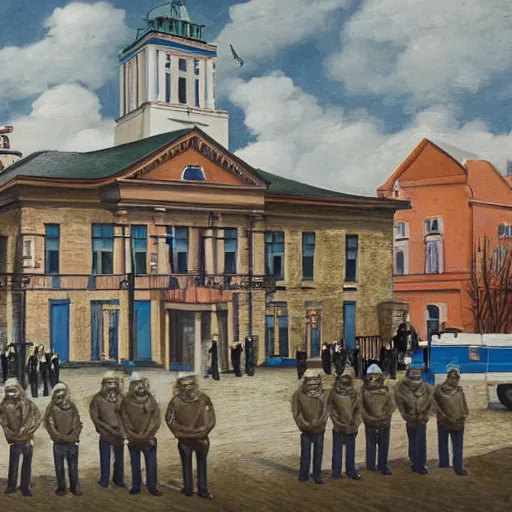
[(195, 142)]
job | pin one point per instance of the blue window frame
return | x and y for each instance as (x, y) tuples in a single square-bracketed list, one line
[(102, 248), (351, 250), (308, 256), (274, 254), (230, 250), (193, 173), (51, 249), (269, 335), (140, 249), (282, 324), (177, 239)]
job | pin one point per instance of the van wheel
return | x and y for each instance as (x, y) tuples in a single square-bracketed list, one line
[(504, 392)]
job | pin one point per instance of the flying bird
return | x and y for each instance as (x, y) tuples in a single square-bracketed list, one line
[(235, 56)]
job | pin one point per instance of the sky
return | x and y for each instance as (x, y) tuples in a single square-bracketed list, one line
[(334, 93)]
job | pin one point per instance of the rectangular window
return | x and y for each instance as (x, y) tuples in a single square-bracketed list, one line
[(230, 250), (182, 89), (274, 254), (140, 249), (167, 87), (102, 248), (269, 335), (177, 239), (168, 61), (351, 249), (433, 256), (196, 66), (183, 65), (400, 230), (308, 256), (51, 250), (282, 323), (196, 93)]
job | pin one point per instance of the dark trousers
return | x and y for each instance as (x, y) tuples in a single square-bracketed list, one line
[(32, 377), (149, 451), (457, 437), (15, 450), (105, 451), (418, 447), (306, 441), (186, 449), (338, 440), (45, 377), (69, 453), (376, 437)]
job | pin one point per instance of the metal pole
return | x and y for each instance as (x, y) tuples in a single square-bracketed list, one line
[(131, 296), (249, 301)]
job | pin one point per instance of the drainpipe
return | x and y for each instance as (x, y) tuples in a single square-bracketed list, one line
[(131, 296), (250, 250)]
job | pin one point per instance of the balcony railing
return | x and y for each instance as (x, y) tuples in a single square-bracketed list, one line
[(78, 282)]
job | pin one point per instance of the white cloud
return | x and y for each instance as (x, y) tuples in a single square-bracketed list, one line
[(80, 45), (260, 29), (299, 139), (428, 50), (66, 118)]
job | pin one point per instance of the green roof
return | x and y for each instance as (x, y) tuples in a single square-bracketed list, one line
[(97, 165)]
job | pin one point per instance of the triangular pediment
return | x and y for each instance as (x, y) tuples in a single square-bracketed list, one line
[(218, 165)]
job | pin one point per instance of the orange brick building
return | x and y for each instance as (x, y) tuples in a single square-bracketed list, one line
[(456, 201)]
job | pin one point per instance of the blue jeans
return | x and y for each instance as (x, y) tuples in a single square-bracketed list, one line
[(418, 447), (105, 451), (457, 437), (338, 439), (306, 441), (149, 452), (373, 437)]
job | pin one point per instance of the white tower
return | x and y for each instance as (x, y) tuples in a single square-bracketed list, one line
[(168, 78), (7, 155)]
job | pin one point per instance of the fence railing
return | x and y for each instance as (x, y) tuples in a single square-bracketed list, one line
[(78, 282)]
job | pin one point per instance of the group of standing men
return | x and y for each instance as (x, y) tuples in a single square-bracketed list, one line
[(42, 368), (374, 404), (131, 419)]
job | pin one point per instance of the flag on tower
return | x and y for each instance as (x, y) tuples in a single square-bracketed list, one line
[(235, 56)]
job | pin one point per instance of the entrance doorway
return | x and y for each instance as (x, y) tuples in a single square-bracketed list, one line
[(183, 337)]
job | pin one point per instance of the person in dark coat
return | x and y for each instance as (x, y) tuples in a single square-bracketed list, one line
[(310, 411), (301, 360), (103, 410), (326, 358), (45, 369), (140, 419), (54, 369), (400, 344), (190, 416), (452, 412), (236, 358), (33, 372), (12, 363), (20, 418), (62, 421), (339, 357), (214, 350), (345, 411), (415, 401), (377, 410), (250, 359)]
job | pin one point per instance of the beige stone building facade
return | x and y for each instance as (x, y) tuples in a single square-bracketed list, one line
[(175, 239)]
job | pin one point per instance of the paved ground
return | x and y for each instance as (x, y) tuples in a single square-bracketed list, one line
[(254, 457)]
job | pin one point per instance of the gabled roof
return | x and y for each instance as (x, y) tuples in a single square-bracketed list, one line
[(107, 163)]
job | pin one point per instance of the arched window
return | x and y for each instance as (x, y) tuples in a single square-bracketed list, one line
[(193, 173), (399, 263)]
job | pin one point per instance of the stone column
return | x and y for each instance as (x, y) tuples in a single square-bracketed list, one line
[(201, 76), (197, 343), (190, 82), (122, 98), (193, 250), (210, 102), (258, 253), (151, 73), (174, 78)]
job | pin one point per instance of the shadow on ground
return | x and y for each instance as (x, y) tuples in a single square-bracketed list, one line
[(255, 484)]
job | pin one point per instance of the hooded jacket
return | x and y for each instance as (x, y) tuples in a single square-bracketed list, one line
[(19, 420), (105, 416), (377, 406), (345, 408), (451, 407), (310, 412), (139, 419), (63, 425), (415, 405)]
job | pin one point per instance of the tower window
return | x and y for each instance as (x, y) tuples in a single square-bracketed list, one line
[(196, 93), (182, 89), (196, 66), (193, 173), (168, 61), (168, 87), (183, 65)]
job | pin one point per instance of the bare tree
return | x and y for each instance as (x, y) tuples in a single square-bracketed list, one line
[(490, 288)]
